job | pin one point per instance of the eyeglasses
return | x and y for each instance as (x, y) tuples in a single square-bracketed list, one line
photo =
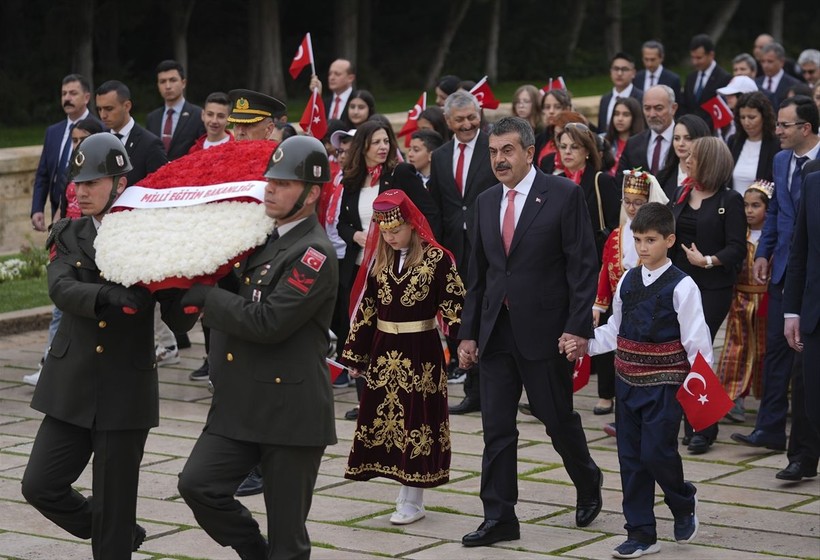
[(633, 203), (788, 124), (340, 151), (621, 69)]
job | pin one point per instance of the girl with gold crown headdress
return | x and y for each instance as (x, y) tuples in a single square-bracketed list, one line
[(406, 287), (741, 362)]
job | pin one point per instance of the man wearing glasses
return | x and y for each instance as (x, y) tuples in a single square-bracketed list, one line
[(621, 72), (796, 127)]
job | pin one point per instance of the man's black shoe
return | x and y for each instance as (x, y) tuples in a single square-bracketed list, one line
[(587, 509), (699, 444), (465, 406), (254, 550), (139, 537), (251, 485), (202, 373), (352, 414), (492, 531), (796, 472), (759, 438)]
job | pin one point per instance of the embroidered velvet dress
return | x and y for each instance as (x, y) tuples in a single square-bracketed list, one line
[(403, 430)]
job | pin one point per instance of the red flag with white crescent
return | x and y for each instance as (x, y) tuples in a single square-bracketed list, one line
[(335, 369), (702, 396), (719, 110), (302, 58), (412, 123), (484, 95), (557, 83), (314, 120), (580, 373)]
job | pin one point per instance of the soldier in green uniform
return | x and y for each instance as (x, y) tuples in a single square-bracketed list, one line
[(98, 388), (272, 403)]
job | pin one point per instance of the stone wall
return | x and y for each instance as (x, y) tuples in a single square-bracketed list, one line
[(17, 168)]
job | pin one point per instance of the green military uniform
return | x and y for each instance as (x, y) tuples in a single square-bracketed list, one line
[(99, 392), (273, 403), (98, 387)]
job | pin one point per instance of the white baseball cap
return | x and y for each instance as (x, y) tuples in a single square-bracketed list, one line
[(336, 137), (739, 84)]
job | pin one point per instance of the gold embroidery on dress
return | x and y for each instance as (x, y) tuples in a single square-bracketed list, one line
[(424, 383), (454, 284), (358, 358), (422, 441), (368, 310), (444, 435), (385, 292), (450, 311), (419, 286), (442, 475)]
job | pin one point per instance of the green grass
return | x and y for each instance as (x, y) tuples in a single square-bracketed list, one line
[(23, 294)]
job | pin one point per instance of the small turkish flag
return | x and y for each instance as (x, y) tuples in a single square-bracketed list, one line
[(484, 95), (708, 402), (314, 121), (719, 110), (580, 374), (303, 57), (557, 83), (412, 123), (335, 368)]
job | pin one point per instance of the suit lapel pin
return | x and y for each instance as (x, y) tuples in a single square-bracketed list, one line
[(538, 200)]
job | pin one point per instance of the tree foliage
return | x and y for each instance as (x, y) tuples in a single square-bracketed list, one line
[(249, 43)]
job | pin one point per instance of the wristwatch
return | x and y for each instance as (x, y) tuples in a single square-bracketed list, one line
[(709, 263)]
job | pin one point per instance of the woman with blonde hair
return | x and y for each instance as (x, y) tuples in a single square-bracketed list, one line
[(527, 105)]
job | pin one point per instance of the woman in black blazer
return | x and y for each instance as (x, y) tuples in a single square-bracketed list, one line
[(710, 227), (581, 160), (754, 122), (371, 168)]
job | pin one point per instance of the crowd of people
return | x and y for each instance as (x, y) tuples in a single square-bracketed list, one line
[(489, 254)]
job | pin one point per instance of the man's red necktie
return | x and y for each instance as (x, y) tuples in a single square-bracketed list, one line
[(460, 169), (168, 130), (508, 226), (336, 102)]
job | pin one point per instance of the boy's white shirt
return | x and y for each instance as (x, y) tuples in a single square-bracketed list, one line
[(694, 333)]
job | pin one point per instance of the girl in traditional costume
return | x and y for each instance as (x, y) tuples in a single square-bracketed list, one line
[(741, 362), (406, 287)]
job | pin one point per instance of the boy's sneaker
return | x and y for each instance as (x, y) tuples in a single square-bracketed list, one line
[(167, 355), (202, 373), (686, 526), (635, 549)]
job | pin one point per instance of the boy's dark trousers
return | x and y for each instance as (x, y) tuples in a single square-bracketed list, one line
[(647, 421)]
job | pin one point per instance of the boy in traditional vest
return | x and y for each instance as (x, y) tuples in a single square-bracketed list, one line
[(657, 328)]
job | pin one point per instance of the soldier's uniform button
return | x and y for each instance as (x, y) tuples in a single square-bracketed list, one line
[(100, 349), (79, 263), (229, 357), (236, 264), (278, 380), (102, 324)]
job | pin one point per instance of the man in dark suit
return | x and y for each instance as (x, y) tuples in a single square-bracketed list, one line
[(144, 149), (797, 125), (178, 123), (532, 281), (272, 404), (650, 148), (774, 82), (340, 79), (801, 294), (621, 72), (459, 172), (52, 171), (98, 388), (653, 74), (702, 84)]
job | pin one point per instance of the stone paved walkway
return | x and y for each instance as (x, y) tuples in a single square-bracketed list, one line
[(745, 513)]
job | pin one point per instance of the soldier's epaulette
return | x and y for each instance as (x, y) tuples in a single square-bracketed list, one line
[(55, 235)]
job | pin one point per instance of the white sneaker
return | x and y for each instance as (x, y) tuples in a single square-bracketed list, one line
[(167, 355), (406, 513), (32, 379)]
